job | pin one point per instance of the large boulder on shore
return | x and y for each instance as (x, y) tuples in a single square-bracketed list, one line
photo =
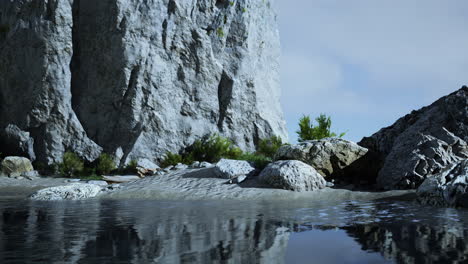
[(74, 191), (234, 169), (15, 166), (292, 175), (129, 76), (448, 188), (422, 143), (330, 157)]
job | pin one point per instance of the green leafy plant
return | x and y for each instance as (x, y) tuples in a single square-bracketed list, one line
[(130, 168), (105, 164), (220, 32), (309, 131), (258, 160), (214, 148), (269, 146), (71, 165), (171, 159), (231, 3)]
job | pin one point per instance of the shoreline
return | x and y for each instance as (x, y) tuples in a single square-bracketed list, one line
[(196, 184)]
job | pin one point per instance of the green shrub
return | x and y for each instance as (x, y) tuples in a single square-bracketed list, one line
[(269, 146), (105, 164), (309, 131), (213, 149), (258, 160), (71, 165), (171, 159), (130, 168)]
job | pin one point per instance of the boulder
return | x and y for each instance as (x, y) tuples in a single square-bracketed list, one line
[(232, 169), (292, 175), (146, 167), (331, 157), (422, 143), (74, 191), (15, 166), (447, 188)]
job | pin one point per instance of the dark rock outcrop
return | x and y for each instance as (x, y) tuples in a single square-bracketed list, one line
[(129, 77), (422, 143), (448, 188)]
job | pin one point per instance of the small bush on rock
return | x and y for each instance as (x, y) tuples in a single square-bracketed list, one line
[(105, 164), (309, 131), (71, 165), (269, 146)]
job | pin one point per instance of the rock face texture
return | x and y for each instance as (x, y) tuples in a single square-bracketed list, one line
[(421, 143), (330, 157), (136, 78), (449, 188), (292, 175)]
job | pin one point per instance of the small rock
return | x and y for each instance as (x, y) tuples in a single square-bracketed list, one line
[(74, 191), (19, 178), (15, 166), (205, 164), (100, 183), (180, 166), (73, 180), (161, 172), (30, 174), (330, 184), (168, 168), (292, 175), (147, 164), (195, 165), (230, 169), (238, 179)]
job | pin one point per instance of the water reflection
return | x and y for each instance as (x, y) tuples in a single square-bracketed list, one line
[(215, 232)]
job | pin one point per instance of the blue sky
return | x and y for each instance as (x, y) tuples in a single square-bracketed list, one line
[(366, 62)]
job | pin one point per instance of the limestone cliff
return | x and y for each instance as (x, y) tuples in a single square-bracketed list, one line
[(136, 78)]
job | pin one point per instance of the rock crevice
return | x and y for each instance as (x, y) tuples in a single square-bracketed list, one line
[(127, 76)]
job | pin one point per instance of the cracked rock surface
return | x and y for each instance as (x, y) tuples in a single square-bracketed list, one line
[(136, 78)]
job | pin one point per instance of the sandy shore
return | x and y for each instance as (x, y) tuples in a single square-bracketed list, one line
[(195, 184)]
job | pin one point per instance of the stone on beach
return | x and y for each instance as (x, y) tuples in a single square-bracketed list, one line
[(232, 169), (330, 157), (15, 166), (292, 175), (74, 191)]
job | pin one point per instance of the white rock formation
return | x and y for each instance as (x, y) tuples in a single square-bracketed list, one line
[(74, 191), (136, 78)]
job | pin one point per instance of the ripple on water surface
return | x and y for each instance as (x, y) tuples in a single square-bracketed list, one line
[(132, 231)]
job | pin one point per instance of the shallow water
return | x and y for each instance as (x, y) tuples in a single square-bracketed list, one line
[(110, 231)]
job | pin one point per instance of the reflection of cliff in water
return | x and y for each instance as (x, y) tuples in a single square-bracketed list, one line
[(54, 234), (414, 243)]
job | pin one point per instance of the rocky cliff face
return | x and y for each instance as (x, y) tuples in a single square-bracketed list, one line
[(136, 78), (422, 143)]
